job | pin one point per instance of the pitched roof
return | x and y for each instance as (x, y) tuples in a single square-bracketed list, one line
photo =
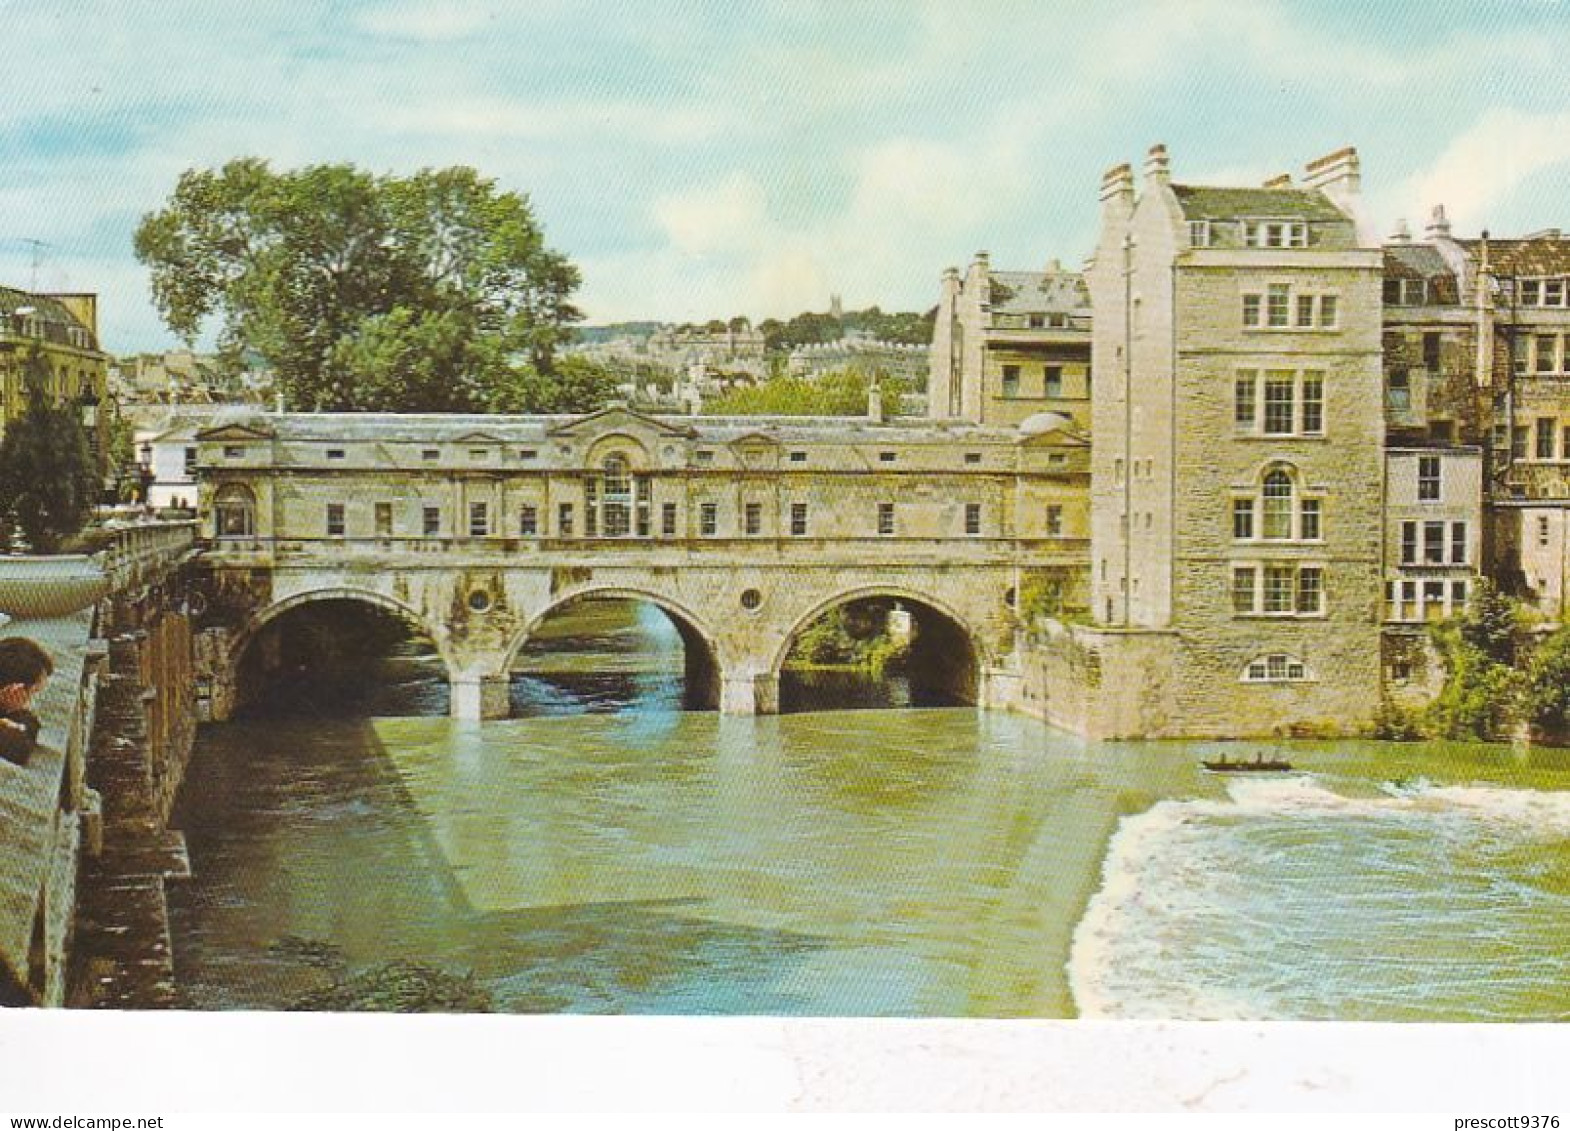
[(1528, 257), (1038, 292), (1203, 202), (1414, 261)]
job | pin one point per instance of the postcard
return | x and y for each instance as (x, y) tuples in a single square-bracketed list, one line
[(1014, 511)]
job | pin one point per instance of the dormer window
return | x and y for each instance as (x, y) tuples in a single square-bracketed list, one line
[(1199, 233), (1275, 233)]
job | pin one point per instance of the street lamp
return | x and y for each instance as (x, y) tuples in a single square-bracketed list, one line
[(144, 469)]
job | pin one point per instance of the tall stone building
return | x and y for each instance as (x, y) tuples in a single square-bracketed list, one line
[(64, 330), (1476, 356), (1008, 345), (1237, 460)]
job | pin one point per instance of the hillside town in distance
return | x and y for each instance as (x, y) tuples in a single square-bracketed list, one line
[(1279, 453)]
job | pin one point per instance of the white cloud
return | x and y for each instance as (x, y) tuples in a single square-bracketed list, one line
[(1485, 163), (728, 218)]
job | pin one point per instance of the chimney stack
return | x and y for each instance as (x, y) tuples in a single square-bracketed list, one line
[(1280, 180), (1402, 234), (1438, 224), (1338, 175), (1117, 183), (1157, 168)]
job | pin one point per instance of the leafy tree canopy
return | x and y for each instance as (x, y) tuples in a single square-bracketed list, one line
[(841, 393), (433, 292)]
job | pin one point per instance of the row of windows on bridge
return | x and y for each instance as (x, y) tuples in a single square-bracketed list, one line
[(235, 518)]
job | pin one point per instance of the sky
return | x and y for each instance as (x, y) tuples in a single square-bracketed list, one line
[(706, 159)]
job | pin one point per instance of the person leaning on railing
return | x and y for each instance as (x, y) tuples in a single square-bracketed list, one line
[(24, 669)]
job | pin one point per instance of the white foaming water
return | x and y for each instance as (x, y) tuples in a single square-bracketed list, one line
[(1291, 901)]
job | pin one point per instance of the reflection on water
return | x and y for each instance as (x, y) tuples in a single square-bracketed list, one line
[(610, 853)]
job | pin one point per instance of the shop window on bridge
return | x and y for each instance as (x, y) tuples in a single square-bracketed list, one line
[(617, 501), (234, 512)]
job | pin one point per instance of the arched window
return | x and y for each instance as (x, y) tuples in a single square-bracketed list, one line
[(1277, 505), (1278, 667), (618, 500), (234, 511)]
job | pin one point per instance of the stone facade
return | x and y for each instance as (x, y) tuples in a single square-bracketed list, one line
[(1237, 467), (1008, 345), (744, 530), (1477, 352), (863, 355), (64, 329)]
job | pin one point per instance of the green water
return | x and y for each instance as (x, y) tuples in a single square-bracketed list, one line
[(613, 854)]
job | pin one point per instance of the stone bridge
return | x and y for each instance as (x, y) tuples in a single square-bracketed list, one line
[(475, 530)]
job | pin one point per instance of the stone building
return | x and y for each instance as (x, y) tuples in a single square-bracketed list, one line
[(860, 354), (1009, 344), (735, 349), (64, 329), (1238, 462), (1475, 342)]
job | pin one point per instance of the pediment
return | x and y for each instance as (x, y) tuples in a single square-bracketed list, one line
[(1063, 436), (618, 418), (478, 438), (224, 432), (752, 441)]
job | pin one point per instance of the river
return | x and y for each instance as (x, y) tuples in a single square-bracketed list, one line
[(606, 852)]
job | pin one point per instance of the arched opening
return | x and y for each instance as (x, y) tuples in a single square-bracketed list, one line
[(234, 511), (340, 656), (878, 651), (611, 653)]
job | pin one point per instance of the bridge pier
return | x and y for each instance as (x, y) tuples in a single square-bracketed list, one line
[(476, 697), (751, 693)]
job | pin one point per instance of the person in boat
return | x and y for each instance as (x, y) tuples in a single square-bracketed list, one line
[(24, 669)]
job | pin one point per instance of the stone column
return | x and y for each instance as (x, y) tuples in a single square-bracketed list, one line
[(750, 693), (476, 697)]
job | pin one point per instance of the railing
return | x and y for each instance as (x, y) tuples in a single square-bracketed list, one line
[(129, 554)]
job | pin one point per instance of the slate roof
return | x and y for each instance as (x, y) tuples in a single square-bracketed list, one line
[(1414, 261), (451, 428), (1202, 202), (1039, 292), (47, 309), (1526, 257)]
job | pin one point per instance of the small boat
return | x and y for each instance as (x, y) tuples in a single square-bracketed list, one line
[(1260, 764)]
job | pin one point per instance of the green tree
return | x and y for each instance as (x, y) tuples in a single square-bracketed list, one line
[(1548, 685), (841, 393), (433, 292), (48, 477), (573, 384), (1489, 623)]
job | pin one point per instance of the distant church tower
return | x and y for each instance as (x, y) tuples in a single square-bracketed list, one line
[(836, 308)]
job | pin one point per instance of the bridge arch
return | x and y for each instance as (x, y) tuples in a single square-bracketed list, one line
[(700, 647), (240, 644), (952, 641)]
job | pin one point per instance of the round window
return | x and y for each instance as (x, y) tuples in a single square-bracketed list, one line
[(751, 598), (479, 600)]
